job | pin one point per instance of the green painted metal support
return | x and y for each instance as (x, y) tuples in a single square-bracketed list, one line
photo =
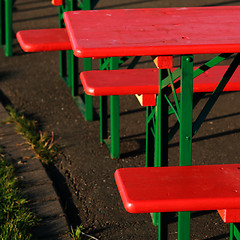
[(112, 142), (114, 117), (210, 103), (2, 25), (6, 27), (87, 99), (161, 148), (150, 123), (185, 141), (8, 19), (69, 63), (103, 119), (231, 231), (115, 129), (70, 68), (235, 231)]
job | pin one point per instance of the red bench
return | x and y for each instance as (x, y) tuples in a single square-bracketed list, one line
[(41, 40), (145, 82), (172, 189), (57, 2)]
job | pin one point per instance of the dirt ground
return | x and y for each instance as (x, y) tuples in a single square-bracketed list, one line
[(84, 173)]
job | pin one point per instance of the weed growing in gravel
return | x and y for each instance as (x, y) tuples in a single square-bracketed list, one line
[(78, 233), (42, 143), (15, 219)]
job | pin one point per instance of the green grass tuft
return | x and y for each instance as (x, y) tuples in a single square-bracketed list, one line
[(15, 219), (42, 143)]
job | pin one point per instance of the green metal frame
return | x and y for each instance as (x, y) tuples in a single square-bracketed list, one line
[(158, 135), (112, 141), (234, 231), (69, 63), (69, 72), (6, 37)]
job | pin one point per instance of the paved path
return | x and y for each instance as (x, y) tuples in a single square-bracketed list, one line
[(36, 185)]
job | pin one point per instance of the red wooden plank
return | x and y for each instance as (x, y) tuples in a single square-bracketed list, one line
[(145, 81), (57, 2), (154, 32), (41, 40), (230, 215), (170, 189)]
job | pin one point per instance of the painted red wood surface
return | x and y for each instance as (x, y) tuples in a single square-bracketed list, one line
[(140, 81), (230, 215), (155, 31), (170, 189), (57, 2), (41, 40)]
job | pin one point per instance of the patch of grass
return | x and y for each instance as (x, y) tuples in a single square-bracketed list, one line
[(15, 219), (42, 143), (77, 234)]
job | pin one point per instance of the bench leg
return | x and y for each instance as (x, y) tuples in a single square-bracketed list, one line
[(114, 142), (71, 76), (103, 118), (234, 231), (63, 65), (185, 141), (2, 25), (161, 149), (8, 20), (6, 26), (115, 129), (88, 100), (150, 117), (69, 64)]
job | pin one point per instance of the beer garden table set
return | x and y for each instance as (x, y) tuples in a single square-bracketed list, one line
[(163, 33)]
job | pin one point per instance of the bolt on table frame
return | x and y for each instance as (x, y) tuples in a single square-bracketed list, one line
[(6, 26)]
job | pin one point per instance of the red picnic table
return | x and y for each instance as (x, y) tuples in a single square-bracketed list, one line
[(164, 33)]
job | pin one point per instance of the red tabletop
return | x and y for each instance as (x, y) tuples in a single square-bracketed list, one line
[(155, 31), (170, 189)]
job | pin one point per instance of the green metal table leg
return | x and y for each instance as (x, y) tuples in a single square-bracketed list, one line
[(69, 63), (86, 5), (62, 54), (115, 129), (161, 148), (8, 28), (63, 65), (114, 116), (236, 231), (70, 67), (103, 118), (150, 117), (2, 23), (88, 100), (114, 142), (185, 142), (231, 231)]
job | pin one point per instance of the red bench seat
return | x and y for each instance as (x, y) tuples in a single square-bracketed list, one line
[(172, 189), (145, 81), (42, 40), (57, 2)]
